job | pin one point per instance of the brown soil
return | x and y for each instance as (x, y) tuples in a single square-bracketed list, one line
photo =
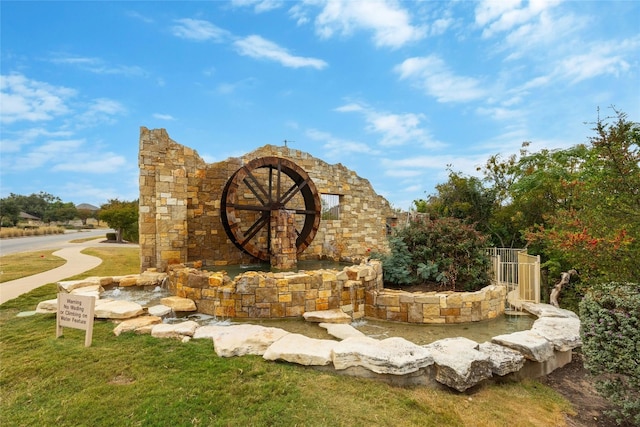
[(576, 384)]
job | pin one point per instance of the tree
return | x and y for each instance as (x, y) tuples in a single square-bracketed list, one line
[(85, 214), (120, 215), (9, 211)]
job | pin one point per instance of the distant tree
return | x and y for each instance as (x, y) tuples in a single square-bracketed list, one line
[(61, 212), (120, 215), (9, 211), (85, 214)]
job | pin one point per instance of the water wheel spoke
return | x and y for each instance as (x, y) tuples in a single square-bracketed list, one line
[(251, 177), (254, 229), (292, 191), (249, 207)]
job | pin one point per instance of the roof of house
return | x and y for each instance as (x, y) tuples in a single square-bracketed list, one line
[(25, 215)]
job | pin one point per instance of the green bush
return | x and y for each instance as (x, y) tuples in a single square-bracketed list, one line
[(130, 234), (112, 236), (610, 330), (443, 252)]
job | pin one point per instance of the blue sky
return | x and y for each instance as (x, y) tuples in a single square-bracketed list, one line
[(396, 91)]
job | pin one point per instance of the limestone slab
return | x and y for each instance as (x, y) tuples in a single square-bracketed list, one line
[(394, 355), (547, 310), (238, 340), (48, 306), (503, 360), (179, 304), (297, 348), (70, 285), (135, 324), (159, 310), (341, 330), (327, 316), (530, 344), (563, 332), (459, 364), (176, 330), (115, 309)]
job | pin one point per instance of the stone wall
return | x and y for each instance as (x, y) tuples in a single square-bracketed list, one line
[(180, 199), (357, 290), (436, 307)]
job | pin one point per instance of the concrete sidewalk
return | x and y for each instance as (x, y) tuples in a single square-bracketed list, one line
[(76, 263)]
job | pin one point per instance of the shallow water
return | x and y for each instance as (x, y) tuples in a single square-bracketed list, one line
[(379, 329)]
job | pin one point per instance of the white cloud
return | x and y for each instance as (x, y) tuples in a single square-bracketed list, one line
[(97, 65), (198, 29), (394, 129), (259, 6), (25, 137), (24, 99), (46, 153), (601, 58), (163, 116), (337, 148), (501, 16), (431, 74), (94, 163), (260, 48), (389, 22), (101, 110)]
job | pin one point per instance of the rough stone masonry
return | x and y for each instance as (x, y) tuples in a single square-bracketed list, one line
[(180, 200)]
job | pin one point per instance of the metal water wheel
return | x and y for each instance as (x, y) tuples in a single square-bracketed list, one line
[(256, 190)]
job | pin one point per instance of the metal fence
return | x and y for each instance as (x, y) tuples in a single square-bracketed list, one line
[(519, 272)]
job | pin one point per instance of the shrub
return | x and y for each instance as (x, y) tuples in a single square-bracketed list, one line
[(610, 330), (443, 252), (130, 234), (111, 236)]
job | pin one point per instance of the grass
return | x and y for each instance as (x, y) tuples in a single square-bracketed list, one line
[(15, 266), (137, 380), (7, 232), (116, 262)]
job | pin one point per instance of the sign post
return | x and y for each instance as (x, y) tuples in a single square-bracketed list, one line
[(76, 311)]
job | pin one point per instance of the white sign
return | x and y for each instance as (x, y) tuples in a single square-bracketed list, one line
[(76, 311)]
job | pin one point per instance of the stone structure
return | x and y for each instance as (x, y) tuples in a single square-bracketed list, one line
[(357, 290), (180, 206)]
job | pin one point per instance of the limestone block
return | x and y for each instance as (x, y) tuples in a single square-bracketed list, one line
[(118, 310), (238, 340), (48, 306), (327, 316), (459, 364), (394, 355), (341, 330), (126, 281), (136, 323), (150, 278), (547, 310), (297, 348), (69, 285), (503, 360), (179, 304), (530, 344), (91, 291), (159, 310), (563, 332), (176, 330)]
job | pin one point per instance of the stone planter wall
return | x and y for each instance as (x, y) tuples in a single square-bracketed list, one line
[(436, 307), (356, 290), (276, 295)]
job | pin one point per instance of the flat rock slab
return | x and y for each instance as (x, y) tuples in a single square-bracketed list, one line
[(459, 364), (135, 324), (69, 285), (175, 330), (341, 330), (503, 360), (394, 355), (238, 340), (327, 316), (118, 310), (48, 306), (547, 310), (530, 344), (150, 278), (159, 310), (563, 332), (179, 303), (297, 348)]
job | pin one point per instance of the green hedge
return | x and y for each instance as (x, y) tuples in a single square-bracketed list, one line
[(610, 316)]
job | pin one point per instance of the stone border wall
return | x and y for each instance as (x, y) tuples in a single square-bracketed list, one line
[(356, 290)]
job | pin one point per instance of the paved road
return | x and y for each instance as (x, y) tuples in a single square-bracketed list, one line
[(52, 241), (76, 262)]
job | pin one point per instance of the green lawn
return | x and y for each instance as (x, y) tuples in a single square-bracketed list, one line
[(16, 266), (137, 380)]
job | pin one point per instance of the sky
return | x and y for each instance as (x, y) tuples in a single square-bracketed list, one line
[(397, 91)]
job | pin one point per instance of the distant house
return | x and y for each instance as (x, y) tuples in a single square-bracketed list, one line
[(29, 219)]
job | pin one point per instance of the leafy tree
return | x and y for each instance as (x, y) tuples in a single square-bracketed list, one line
[(61, 212), (120, 215), (85, 214), (9, 211)]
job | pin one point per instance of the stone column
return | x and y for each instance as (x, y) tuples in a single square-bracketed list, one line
[(283, 239)]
